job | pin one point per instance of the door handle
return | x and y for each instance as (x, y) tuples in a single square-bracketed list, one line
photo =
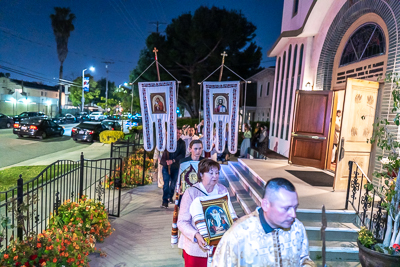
[(309, 136), (341, 156)]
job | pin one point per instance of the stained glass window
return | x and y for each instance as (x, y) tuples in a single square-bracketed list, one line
[(366, 42)]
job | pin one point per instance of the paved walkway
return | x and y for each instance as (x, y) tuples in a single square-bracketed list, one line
[(142, 233)]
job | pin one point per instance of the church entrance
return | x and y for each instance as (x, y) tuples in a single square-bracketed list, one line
[(330, 128)]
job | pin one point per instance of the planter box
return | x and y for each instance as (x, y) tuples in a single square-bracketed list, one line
[(372, 258)]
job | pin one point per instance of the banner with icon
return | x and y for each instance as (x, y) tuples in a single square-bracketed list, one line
[(158, 105), (221, 107)]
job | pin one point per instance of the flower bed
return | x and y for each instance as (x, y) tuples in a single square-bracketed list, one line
[(70, 237), (132, 171)]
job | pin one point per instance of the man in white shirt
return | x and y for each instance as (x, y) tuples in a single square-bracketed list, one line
[(188, 138)]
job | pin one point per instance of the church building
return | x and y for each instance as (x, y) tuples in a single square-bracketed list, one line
[(332, 58)]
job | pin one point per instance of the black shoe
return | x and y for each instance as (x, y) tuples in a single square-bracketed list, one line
[(164, 205)]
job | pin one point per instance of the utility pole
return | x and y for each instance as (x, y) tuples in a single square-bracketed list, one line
[(157, 24), (107, 62)]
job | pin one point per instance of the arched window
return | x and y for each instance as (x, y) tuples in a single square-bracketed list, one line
[(366, 42)]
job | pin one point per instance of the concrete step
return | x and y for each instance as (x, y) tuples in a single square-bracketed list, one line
[(235, 203), (339, 263), (315, 215), (331, 233), (249, 182), (335, 251), (242, 196)]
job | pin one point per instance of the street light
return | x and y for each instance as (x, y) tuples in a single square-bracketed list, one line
[(83, 81)]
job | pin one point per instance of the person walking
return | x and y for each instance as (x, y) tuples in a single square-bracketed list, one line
[(191, 241), (170, 170), (188, 138), (246, 141), (271, 229)]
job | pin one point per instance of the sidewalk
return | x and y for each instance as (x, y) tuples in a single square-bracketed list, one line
[(94, 151), (142, 233)]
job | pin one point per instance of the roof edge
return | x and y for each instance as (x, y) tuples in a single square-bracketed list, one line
[(292, 33)]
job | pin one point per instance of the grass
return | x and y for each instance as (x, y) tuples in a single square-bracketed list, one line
[(10, 176)]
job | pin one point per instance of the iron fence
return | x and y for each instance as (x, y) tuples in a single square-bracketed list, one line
[(125, 148), (365, 201), (28, 206)]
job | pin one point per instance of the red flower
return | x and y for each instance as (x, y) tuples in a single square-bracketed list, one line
[(33, 257), (396, 247), (41, 261)]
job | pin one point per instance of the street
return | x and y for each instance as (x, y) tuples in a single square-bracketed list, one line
[(14, 150)]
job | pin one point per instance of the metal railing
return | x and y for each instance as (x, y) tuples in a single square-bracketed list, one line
[(124, 148), (29, 205), (367, 203)]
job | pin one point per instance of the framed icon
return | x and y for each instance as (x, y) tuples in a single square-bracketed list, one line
[(158, 103), (217, 218), (221, 104)]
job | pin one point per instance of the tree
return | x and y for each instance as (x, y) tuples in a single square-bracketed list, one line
[(61, 22), (192, 47), (102, 86), (76, 92)]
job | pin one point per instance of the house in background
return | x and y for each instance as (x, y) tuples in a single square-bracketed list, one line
[(248, 102), (329, 58), (264, 81), (17, 96)]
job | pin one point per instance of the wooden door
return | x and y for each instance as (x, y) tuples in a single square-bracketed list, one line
[(356, 128), (310, 132)]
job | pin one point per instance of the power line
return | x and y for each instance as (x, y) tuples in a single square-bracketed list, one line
[(69, 51), (26, 74), (127, 20)]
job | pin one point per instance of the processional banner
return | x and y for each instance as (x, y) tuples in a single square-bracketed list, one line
[(221, 106), (158, 105)]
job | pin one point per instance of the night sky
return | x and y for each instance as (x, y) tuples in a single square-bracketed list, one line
[(112, 30)]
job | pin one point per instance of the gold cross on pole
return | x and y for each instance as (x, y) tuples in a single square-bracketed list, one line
[(158, 71), (222, 65)]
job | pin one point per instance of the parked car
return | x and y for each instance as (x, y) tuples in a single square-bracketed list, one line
[(64, 118), (112, 125), (82, 116), (136, 121), (37, 127), (114, 117), (86, 131), (97, 116), (6, 121), (29, 115)]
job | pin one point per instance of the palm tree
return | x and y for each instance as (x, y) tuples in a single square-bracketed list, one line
[(61, 22)]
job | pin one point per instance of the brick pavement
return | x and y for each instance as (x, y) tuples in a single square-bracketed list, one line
[(142, 233)]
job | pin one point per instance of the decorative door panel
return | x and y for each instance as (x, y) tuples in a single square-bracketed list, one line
[(309, 140), (356, 128)]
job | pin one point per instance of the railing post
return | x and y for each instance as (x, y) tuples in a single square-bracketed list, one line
[(112, 148), (144, 165), (127, 149), (348, 185), (20, 200), (82, 171)]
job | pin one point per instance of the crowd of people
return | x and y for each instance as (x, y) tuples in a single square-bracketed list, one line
[(254, 239)]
